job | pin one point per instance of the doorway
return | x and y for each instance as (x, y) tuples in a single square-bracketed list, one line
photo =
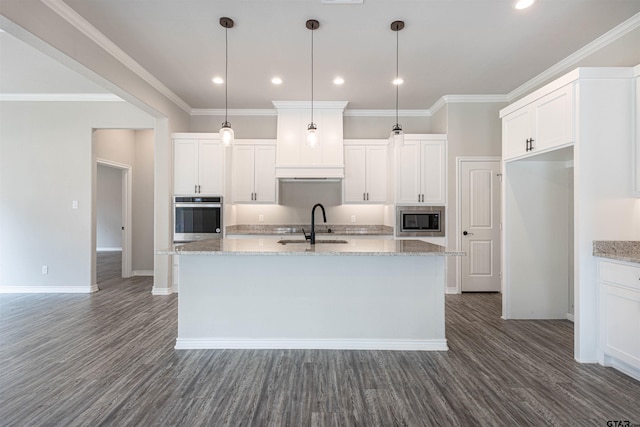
[(113, 211), (479, 223)]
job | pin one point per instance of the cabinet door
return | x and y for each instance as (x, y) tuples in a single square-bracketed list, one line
[(265, 174), (355, 174), (408, 176), (516, 129), (636, 181), (376, 174), (432, 159), (619, 323), (554, 119), (210, 167), (185, 171), (243, 173)]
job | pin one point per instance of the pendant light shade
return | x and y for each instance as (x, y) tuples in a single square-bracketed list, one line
[(312, 129), (226, 133), (397, 136)]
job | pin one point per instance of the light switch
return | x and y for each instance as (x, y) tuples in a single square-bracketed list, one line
[(74, 204)]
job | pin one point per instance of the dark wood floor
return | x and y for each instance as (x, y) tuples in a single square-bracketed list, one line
[(108, 359)]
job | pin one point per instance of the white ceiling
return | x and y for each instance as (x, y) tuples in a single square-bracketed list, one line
[(448, 47)]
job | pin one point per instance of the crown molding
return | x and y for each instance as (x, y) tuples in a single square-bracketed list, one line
[(296, 105), (573, 59), (61, 97), (467, 99), (386, 113), (234, 112), (82, 25)]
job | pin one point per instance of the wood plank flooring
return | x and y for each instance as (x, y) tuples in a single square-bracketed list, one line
[(107, 359)]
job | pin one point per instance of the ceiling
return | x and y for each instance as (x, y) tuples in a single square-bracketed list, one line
[(448, 47)]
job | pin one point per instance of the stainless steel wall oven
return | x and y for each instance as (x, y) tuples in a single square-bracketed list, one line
[(196, 218)]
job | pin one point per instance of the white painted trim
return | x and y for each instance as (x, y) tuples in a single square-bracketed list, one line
[(142, 273), (573, 59), (315, 344), (127, 206), (233, 112), (358, 142), (570, 317), (195, 135), (161, 291), (85, 27), (459, 161), (61, 97), (636, 71), (48, 289), (451, 291), (108, 249), (387, 113), (466, 99), (317, 105)]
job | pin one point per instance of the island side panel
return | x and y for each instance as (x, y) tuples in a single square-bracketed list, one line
[(298, 301)]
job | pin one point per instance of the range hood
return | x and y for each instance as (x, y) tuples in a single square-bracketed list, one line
[(294, 159)]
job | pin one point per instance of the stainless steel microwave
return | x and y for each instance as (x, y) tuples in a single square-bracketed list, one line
[(420, 221)]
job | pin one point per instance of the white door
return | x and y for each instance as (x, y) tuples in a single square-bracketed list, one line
[(480, 225)]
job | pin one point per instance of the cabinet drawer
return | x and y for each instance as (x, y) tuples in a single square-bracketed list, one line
[(620, 274)]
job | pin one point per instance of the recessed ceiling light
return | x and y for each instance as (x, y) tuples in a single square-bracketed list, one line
[(276, 81), (398, 81), (338, 81), (523, 4), (218, 80)]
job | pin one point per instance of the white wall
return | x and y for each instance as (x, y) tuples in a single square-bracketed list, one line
[(108, 208), (45, 164)]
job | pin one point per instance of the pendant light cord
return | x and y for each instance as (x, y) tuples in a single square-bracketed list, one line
[(226, 72), (397, 73), (312, 30)]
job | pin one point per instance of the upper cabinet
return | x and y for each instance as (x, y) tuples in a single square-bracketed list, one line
[(253, 172), (198, 164), (546, 123), (421, 170), (365, 171), (294, 158)]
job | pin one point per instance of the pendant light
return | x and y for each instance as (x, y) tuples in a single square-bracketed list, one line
[(226, 133), (397, 136), (312, 129)]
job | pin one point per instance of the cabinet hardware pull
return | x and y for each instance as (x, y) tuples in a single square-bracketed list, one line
[(364, 197), (531, 144), (367, 196), (418, 198)]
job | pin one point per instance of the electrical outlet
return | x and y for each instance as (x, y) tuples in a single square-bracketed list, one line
[(74, 204), (260, 218), (45, 269), (353, 218)]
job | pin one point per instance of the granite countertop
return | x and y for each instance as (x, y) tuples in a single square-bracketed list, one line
[(339, 230), (620, 250), (353, 247)]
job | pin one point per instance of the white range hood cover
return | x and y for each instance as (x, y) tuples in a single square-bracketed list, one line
[(294, 159)]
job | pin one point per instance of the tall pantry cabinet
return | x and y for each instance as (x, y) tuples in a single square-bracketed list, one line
[(559, 195)]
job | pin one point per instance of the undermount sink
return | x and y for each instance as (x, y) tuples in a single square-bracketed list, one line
[(288, 241)]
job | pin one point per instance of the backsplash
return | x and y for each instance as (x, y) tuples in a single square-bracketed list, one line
[(279, 214)]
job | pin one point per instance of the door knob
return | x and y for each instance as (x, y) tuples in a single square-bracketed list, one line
[(466, 233)]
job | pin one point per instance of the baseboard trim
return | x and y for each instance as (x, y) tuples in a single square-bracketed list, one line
[(48, 289), (625, 368), (451, 291), (142, 273), (161, 291), (108, 249), (570, 317), (314, 344)]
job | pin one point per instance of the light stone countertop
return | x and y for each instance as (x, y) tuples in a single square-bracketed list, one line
[(292, 229), (620, 250), (270, 247)]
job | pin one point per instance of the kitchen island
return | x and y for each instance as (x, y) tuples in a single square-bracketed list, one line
[(362, 294)]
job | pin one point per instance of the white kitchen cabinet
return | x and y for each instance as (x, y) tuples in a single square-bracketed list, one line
[(294, 158), (198, 164), (421, 170), (546, 123), (253, 178), (619, 307), (365, 171)]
